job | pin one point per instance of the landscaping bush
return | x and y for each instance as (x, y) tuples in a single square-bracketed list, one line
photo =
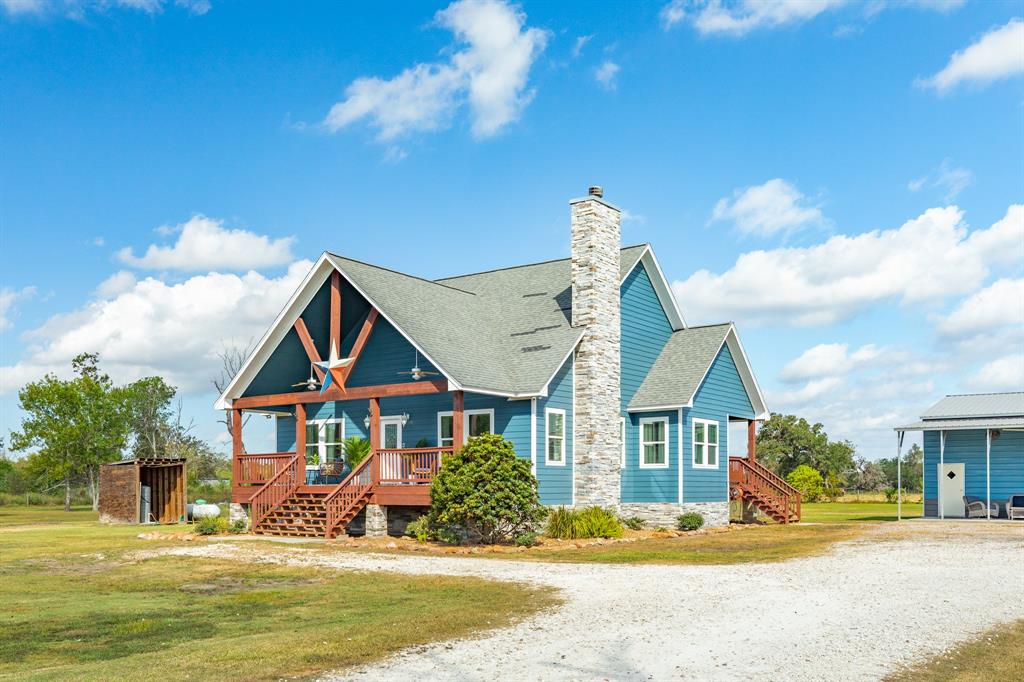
[(356, 450), (576, 524), (485, 491), (689, 521), (891, 495), (633, 523), (527, 539), (211, 525), (239, 526), (808, 481), (419, 529)]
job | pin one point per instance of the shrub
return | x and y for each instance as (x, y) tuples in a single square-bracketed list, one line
[(210, 525), (808, 481), (356, 450), (419, 529), (891, 495), (486, 491), (633, 523), (239, 526), (575, 524), (526, 539), (689, 521)]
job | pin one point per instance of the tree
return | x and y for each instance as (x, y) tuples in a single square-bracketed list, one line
[(785, 442), (913, 468), (808, 481), (149, 401), (231, 360), (866, 475), (75, 425)]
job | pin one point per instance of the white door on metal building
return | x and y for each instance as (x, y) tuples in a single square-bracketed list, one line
[(951, 493)]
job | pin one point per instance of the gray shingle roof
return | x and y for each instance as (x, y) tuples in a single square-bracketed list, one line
[(977, 405), (503, 330), (679, 369)]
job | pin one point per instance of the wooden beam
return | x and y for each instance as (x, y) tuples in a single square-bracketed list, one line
[(355, 393), (300, 430), (458, 428), (357, 347), (237, 448), (752, 440), (374, 424), (307, 343), (335, 340)]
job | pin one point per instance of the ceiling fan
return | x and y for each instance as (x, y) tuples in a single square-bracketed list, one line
[(311, 383), (416, 373)]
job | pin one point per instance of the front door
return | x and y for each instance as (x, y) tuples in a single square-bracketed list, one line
[(951, 489), (391, 433)]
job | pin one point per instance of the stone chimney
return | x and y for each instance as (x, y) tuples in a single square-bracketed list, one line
[(595, 306)]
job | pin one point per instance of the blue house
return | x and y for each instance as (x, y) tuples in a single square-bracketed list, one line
[(973, 454), (585, 364)]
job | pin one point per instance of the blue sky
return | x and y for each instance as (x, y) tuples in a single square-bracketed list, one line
[(841, 179)]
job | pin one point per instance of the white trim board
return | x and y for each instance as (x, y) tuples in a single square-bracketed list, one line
[(548, 411), (668, 442)]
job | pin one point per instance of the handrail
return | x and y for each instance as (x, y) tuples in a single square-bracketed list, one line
[(410, 466), (349, 492), (771, 489), (249, 468), (276, 490)]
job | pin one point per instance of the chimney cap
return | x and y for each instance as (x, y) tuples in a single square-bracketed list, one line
[(596, 191)]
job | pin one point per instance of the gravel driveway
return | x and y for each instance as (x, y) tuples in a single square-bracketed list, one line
[(899, 593)]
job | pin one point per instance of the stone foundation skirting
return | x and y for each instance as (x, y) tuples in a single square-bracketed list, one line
[(664, 514), (238, 512)]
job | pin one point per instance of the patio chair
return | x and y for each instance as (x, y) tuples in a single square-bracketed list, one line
[(974, 507), (1015, 507), (331, 473)]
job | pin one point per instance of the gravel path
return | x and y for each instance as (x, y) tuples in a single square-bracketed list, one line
[(869, 606)]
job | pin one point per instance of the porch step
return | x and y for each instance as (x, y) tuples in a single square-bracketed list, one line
[(303, 514)]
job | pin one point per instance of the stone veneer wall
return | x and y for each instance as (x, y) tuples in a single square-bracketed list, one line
[(596, 306), (665, 513)]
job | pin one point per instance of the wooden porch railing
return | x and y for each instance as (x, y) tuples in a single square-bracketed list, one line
[(259, 468), (768, 490), (349, 494), (410, 466), (276, 490)]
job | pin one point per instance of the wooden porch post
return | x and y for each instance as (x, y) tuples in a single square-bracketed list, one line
[(458, 429), (374, 424), (237, 448), (752, 440), (300, 431)]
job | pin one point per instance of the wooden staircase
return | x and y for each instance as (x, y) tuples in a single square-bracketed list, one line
[(301, 514), (757, 484)]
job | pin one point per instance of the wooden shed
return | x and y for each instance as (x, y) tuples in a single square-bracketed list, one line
[(143, 491)]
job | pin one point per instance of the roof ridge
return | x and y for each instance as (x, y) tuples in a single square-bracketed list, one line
[(399, 272), (703, 326), (969, 395), (527, 265)]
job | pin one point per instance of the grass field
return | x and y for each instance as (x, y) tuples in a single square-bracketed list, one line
[(850, 512), (77, 606), (996, 655)]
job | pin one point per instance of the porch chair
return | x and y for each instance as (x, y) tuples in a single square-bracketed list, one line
[(331, 473), (1015, 507), (974, 507)]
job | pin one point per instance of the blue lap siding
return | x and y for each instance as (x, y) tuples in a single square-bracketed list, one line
[(968, 448), (720, 396), (645, 331), (555, 481)]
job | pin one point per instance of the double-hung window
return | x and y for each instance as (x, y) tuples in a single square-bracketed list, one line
[(445, 429), (555, 436), (653, 442), (705, 444), (324, 441), (476, 423)]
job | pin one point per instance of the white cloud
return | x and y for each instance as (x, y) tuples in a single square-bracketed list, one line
[(118, 283), (581, 41), (98, 241), (998, 305), (953, 179), (153, 327), (21, 7), (205, 244), (830, 359), (1002, 374), (489, 74), (926, 259), (776, 206), (77, 9), (8, 297), (742, 17), (197, 7), (997, 54), (607, 75), (811, 391)]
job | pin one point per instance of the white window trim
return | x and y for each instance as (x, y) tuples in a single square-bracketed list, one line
[(321, 445), (449, 413), (465, 421), (547, 435), (667, 441), (622, 427), (717, 443)]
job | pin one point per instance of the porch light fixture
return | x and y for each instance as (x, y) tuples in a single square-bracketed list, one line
[(366, 420), (405, 418)]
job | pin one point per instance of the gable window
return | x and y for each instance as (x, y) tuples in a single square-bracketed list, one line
[(479, 422), (654, 442), (705, 444), (555, 436), (324, 441)]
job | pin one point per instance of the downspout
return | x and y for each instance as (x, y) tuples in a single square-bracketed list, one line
[(533, 435)]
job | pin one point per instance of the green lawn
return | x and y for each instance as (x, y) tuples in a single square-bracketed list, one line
[(76, 607), (846, 512)]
